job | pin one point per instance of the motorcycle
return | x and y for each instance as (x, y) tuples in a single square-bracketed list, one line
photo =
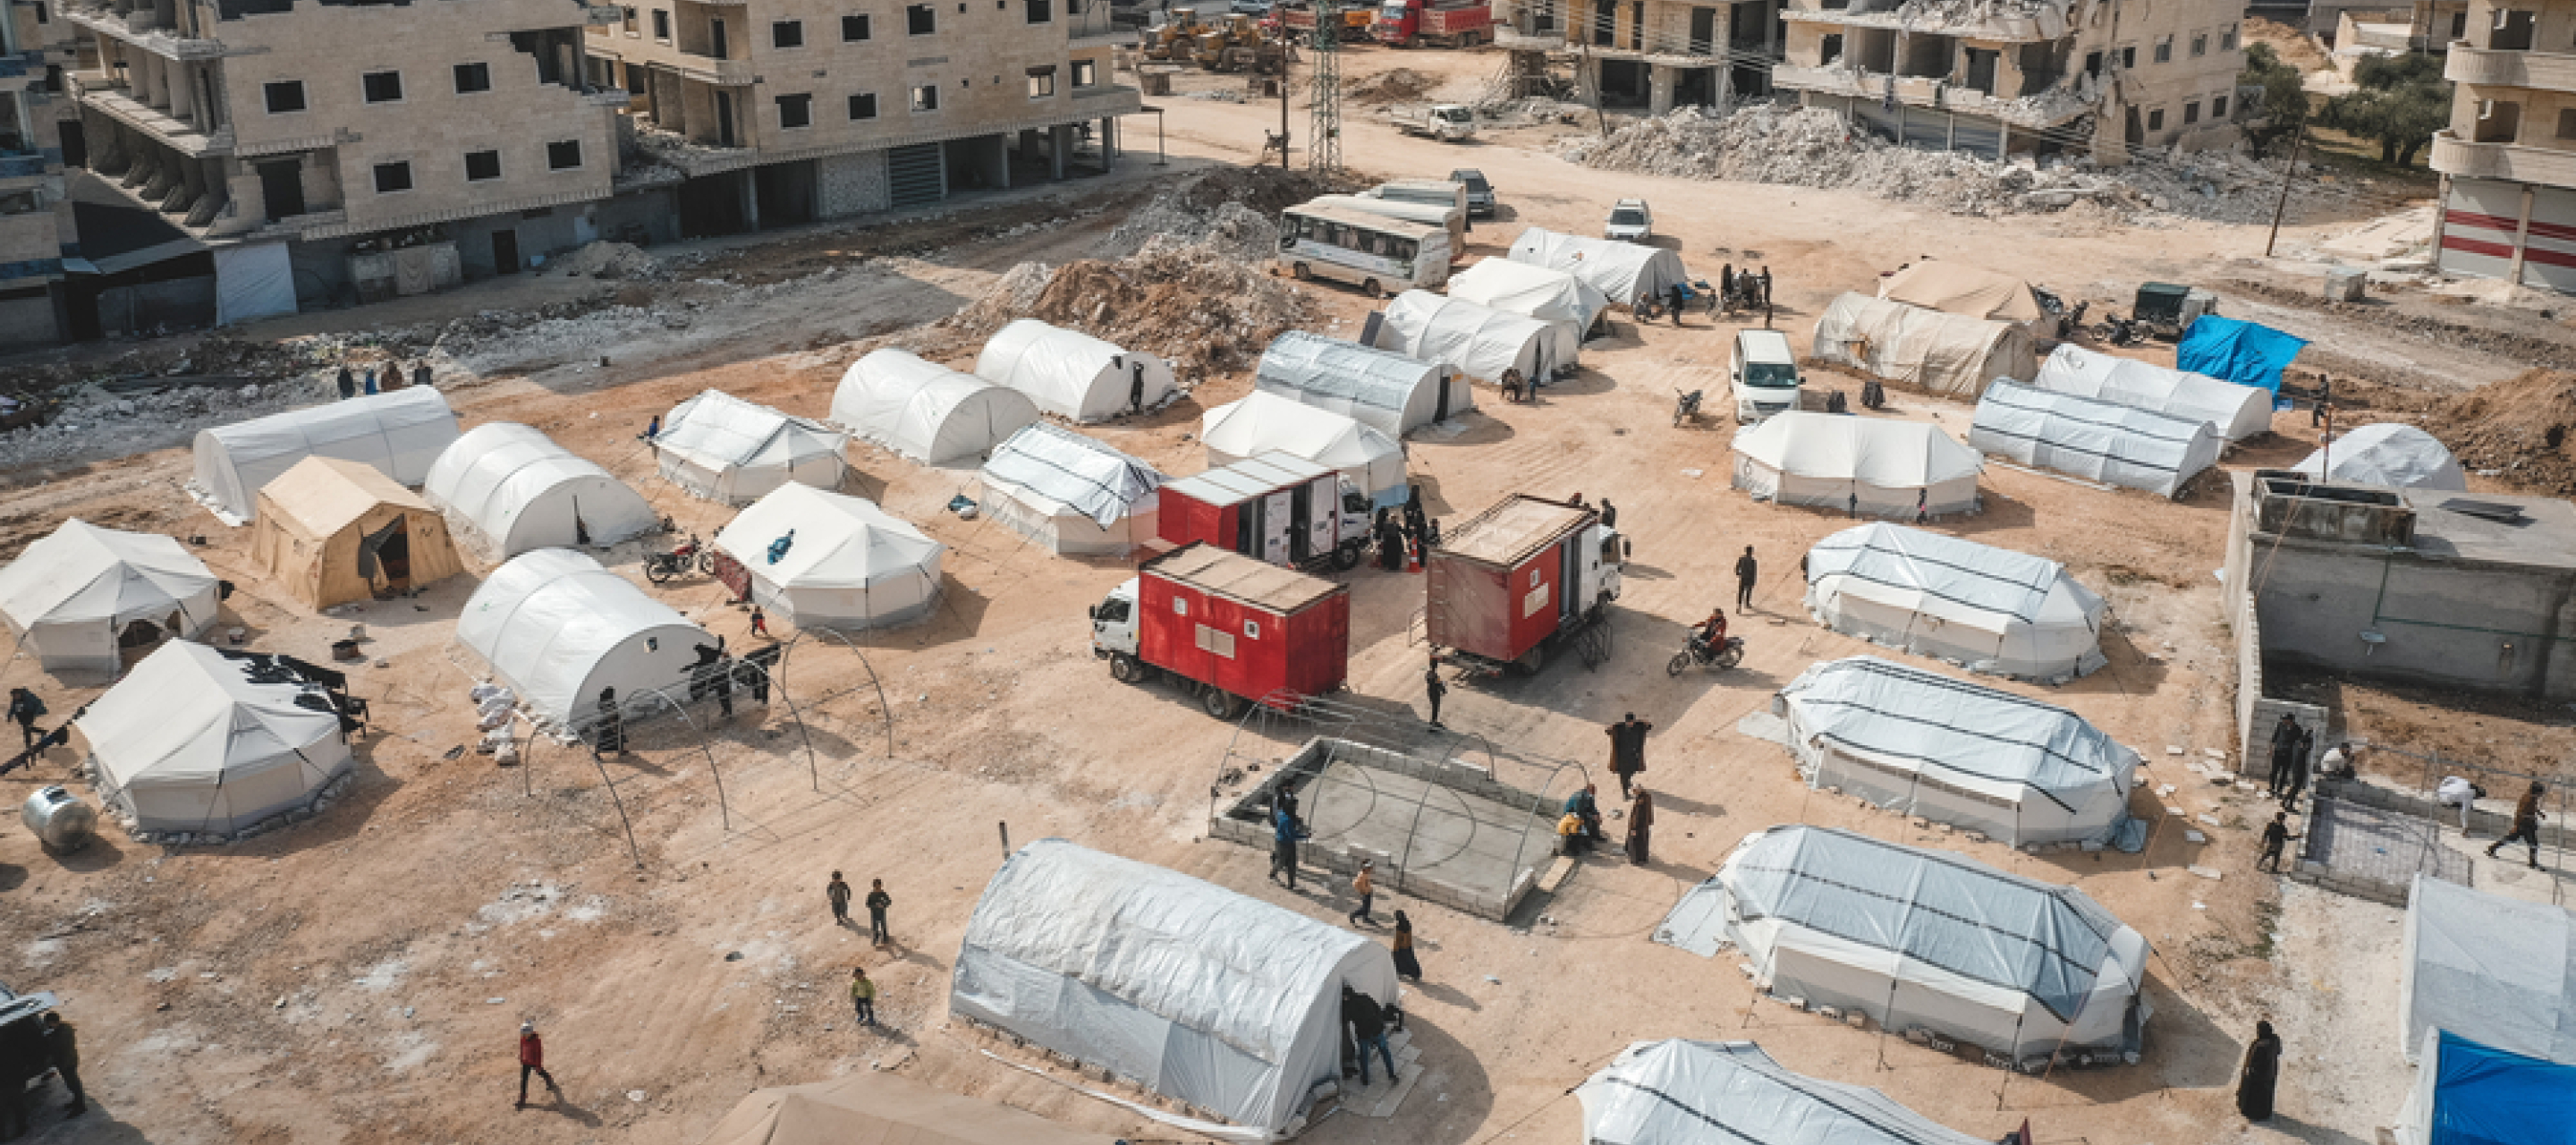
[(660, 568), (1698, 652), (1686, 407)]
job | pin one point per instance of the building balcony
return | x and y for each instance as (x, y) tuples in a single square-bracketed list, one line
[(143, 30), (2512, 162), (2033, 24), (2550, 71), (177, 134), (2056, 104), (722, 73)]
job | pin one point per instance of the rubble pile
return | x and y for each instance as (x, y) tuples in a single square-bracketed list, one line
[(1528, 110), (609, 260), (1394, 85), (2521, 431), (1200, 304)]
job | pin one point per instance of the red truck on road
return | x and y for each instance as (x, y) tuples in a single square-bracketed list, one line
[(1232, 629), (1519, 580), (1440, 23), (1275, 507)]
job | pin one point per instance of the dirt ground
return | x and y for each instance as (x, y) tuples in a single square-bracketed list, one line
[(360, 978)]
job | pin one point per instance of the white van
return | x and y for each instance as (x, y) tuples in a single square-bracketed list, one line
[(1764, 375)]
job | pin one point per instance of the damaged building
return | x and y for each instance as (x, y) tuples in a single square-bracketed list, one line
[(2508, 160), (38, 230), (1662, 54)]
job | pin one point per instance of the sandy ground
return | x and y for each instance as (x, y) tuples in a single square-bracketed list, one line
[(360, 978)]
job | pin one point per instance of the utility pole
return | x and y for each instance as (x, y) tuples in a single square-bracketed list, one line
[(2281, 207), (1287, 46), (1324, 99)]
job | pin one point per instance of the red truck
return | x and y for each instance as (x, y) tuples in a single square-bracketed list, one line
[(1511, 584), (1275, 507), (1299, 20), (1232, 629), (1439, 23)]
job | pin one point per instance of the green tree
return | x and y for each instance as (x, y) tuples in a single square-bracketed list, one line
[(2400, 101), (2285, 100)]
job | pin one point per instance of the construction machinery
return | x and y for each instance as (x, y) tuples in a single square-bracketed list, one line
[(1173, 39), (1231, 45)]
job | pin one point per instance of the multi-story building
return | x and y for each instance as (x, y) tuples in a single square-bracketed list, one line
[(2508, 161), (37, 230), (1660, 54)]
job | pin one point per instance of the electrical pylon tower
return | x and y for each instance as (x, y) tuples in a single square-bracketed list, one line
[(1324, 138)]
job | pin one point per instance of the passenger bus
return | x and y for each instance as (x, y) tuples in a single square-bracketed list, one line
[(1380, 255), (1449, 219)]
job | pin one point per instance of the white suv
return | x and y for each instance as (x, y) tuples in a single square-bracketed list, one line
[(1630, 221)]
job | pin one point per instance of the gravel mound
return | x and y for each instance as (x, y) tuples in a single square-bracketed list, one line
[(2521, 431)]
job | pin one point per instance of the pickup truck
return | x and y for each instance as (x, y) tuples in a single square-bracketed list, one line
[(1440, 23), (1446, 122)]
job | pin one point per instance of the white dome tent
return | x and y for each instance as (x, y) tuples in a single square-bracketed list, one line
[(1385, 391), (1071, 374), (2389, 454), (557, 628), (1547, 295), (509, 488), (1260, 423), (1196, 992), (1988, 609), (925, 411), (1480, 341), (399, 434), (1947, 354), (2090, 438), (1619, 270), (2237, 412), (1870, 466), (1924, 939), (850, 565), (724, 449), (1964, 754), (196, 741), (1070, 493), (1678, 1092), (75, 594)]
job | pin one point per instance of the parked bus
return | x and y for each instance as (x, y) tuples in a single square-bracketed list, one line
[(1449, 219), (1378, 254)]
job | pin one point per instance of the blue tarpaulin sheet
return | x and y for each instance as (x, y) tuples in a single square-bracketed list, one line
[(2245, 353), (2486, 1096)]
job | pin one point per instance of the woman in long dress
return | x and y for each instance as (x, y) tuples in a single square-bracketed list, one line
[(1406, 965), (1641, 827), (2262, 1071)]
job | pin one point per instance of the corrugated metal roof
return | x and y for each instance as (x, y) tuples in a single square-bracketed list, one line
[(1509, 532), (1237, 577)]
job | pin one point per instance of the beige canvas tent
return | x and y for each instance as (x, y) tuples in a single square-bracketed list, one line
[(1957, 288), (1948, 354), (882, 1107), (333, 531)]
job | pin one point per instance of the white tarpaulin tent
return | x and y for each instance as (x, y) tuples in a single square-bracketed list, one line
[(1261, 423), (1196, 992), (1679, 1092), (1385, 390), (1619, 270), (851, 565), (189, 743), (1988, 609), (1071, 374), (1954, 752), (1548, 295), (1070, 493), (1924, 939), (557, 629), (2114, 444), (1942, 353), (1957, 288), (2391, 454), (2238, 412), (510, 488), (73, 593), (399, 434), (1480, 341), (1856, 464), (2500, 972), (728, 450), (926, 411)]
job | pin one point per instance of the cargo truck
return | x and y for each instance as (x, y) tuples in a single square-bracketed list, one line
[(1231, 630), (1510, 586), (1439, 23), (1275, 507)]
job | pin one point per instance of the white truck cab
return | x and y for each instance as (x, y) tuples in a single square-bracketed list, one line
[(1113, 623), (1604, 555), (1763, 373)]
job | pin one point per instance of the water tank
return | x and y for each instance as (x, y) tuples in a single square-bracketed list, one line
[(59, 819)]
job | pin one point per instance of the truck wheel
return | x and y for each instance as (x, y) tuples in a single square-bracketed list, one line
[(1674, 666), (1372, 289), (1124, 669), (1219, 703), (1347, 557), (1299, 272)]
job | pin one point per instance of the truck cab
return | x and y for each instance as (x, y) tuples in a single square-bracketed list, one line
[(1113, 623), (1763, 374)]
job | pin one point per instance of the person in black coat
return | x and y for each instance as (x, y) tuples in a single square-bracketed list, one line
[(2261, 1075), (62, 1047), (608, 732)]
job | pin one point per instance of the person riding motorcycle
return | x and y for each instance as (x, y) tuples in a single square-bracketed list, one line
[(1710, 636)]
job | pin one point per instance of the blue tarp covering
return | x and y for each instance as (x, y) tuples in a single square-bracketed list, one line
[(2245, 353), (2486, 1096)]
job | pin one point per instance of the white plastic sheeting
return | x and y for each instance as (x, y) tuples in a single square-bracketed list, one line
[(1866, 465), (1619, 270), (1942, 353), (1070, 493), (851, 565), (1959, 753), (2390, 454), (510, 488), (1988, 609), (399, 433), (253, 280), (71, 593), (1678, 1092), (2500, 972), (1549, 295), (728, 450), (188, 743), (1385, 391), (1480, 341), (1261, 423), (2114, 444), (2238, 412), (1918, 938), (1194, 991), (1071, 374), (926, 411), (557, 629)]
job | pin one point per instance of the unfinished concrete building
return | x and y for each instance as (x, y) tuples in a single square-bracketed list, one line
[(37, 229), (2109, 78), (2508, 161), (1662, 54)]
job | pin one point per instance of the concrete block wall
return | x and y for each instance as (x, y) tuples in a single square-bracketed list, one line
[(852, 184)]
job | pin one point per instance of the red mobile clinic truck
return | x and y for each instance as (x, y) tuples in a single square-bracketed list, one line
[(1443, 23), (1229, 627), (1512, 583), (1274, 507)]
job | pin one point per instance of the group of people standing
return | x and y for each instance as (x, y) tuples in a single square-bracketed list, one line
[(1408, 530), (354, 381)]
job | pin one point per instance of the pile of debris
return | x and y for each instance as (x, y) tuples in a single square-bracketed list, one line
[(1230, 211), (608, 260), (2521, 431), (1394, 85), (1200, 307)]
